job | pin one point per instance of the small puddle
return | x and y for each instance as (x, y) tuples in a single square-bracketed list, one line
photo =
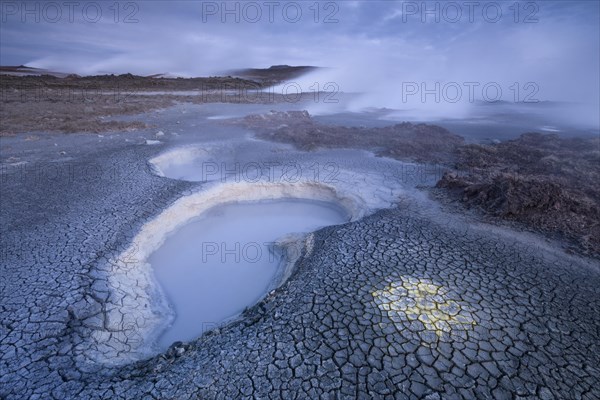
[(218, 264)]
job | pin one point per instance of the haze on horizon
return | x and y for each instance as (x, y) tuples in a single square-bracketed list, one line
[(549, 49)]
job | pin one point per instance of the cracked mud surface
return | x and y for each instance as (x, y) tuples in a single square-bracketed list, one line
[(405, 303)]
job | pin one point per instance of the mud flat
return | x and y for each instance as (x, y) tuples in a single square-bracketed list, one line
[(404, 299)]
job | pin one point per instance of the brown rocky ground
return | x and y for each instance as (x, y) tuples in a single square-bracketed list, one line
[(80, 104), (542, 181), (418, 142), (64, 114)]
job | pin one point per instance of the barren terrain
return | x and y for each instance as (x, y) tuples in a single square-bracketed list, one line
[(85, 104), (411, 301)]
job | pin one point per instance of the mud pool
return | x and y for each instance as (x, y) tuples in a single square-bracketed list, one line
[(227, 259)]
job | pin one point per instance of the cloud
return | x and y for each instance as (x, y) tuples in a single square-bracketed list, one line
[(374, 47)]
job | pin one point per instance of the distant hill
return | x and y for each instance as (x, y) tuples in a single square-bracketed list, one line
[(273, 75), (258, 77), (22, 70), (31, 78)]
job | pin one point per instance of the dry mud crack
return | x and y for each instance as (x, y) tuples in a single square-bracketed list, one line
[(398, 304)]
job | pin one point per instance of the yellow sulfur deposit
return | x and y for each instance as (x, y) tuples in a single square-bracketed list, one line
[(411, 299)]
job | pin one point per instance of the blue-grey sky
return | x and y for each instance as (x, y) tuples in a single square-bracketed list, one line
[(377, 45)]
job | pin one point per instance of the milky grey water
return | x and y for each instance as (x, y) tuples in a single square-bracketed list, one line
[(222, 262)]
